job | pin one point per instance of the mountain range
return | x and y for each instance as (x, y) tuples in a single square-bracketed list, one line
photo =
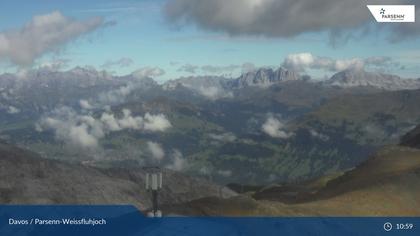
[(266, 125)]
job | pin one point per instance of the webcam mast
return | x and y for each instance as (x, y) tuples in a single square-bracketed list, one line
[(154, 185)]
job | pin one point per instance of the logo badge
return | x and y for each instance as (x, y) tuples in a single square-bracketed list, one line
[(382, 11), (393, 13)]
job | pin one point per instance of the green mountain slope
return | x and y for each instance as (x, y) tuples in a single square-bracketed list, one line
[(385, 185), (369, 119)]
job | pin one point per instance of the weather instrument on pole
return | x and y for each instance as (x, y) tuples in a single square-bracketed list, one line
[(154, 184)]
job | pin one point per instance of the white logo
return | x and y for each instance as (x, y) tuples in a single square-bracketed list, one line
[(393, 13)]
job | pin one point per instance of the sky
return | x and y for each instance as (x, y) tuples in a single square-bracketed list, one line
[(173, 38)]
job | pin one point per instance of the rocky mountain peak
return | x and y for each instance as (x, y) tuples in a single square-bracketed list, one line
[(361, 78), (265, 77)]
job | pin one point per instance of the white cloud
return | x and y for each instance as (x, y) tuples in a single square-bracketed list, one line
[(130, 122), (44, 33), (319, 135), (299, 61), (148, 72), (80, 136), (156, 150), (13, 110), (85, 104), (70, 133), (274, 128), (178, 162), (153, 123), (156, 122), (303, 61), (214, 93), (116, 95), (85, 131)]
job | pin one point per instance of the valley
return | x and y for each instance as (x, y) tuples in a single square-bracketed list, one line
[(270, 125)]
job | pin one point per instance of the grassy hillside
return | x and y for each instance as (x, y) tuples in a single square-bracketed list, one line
[(385, 185), (369, 119), (412, 139)]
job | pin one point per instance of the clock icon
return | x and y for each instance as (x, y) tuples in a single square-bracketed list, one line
[(387, 226)]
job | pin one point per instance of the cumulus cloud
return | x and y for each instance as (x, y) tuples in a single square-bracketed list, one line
[(13, 110), (122, 62), (117, 95), (156, 150), (127, 121), (303, 61), (275, 128), (214, 93), (84, 104), (283, 18), (178, 162), (44, 33), (79, 136), (71, 133), (146, 72), (153, 123), (319, 135), (84, 130), (156, 122)]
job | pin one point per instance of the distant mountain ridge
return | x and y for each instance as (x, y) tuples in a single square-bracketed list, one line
[(220, 87), (266, 77), (360, 78), (208, 86)]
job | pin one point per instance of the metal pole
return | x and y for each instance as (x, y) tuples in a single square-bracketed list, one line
[(155, 201)]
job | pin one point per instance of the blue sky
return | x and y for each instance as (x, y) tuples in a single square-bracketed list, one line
[(140, 32)]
